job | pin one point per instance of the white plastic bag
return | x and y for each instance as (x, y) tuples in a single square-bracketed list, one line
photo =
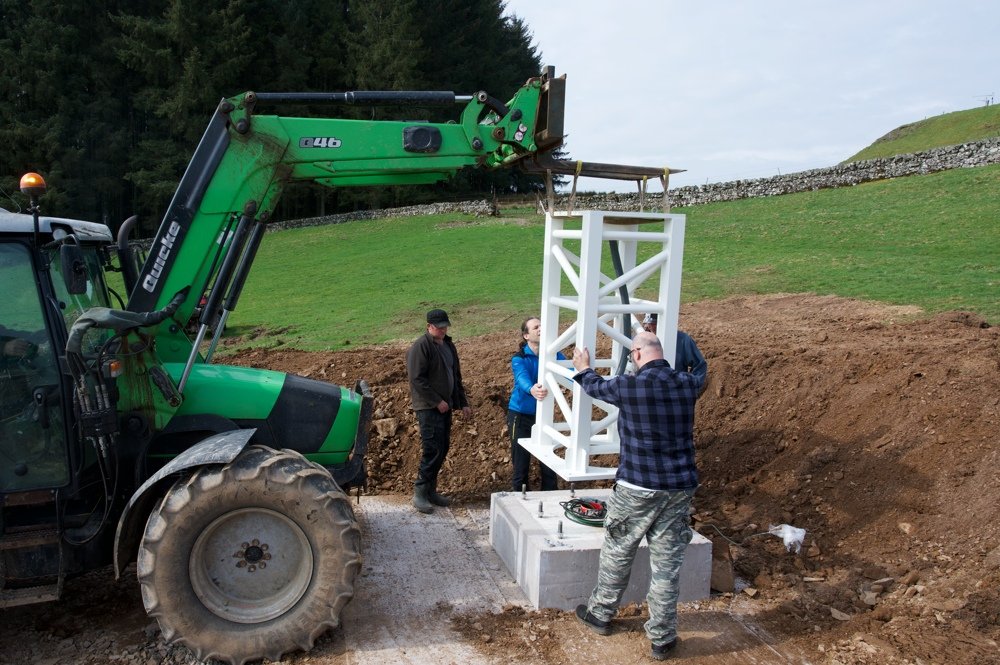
[(790, 535)]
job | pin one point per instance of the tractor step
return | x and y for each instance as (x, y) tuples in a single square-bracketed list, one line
[(26, 539), (30, 541), (31, 595)]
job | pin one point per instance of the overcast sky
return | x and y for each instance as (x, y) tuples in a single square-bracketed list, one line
[(731, 90)]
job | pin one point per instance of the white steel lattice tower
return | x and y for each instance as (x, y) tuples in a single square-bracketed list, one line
[(582, 252)]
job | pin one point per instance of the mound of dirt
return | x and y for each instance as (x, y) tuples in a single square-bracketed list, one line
[(870, 428)]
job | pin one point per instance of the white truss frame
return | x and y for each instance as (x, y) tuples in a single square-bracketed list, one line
[(566, 436)]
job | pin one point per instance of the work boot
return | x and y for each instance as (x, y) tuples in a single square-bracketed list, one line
[(592, 622), (438, 499), (662, 651), (420, 499)]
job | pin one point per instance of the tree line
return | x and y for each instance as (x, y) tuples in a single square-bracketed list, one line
[(108, 98)]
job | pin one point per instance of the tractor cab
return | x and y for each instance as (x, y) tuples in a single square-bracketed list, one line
[(51, 272)]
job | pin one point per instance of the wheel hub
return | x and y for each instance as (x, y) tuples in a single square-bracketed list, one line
[(252, 555), (257, 541)]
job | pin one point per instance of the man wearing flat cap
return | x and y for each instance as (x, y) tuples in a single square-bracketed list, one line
[(436, 391)]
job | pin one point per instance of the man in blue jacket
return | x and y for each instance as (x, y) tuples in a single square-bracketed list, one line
[(655, 482)]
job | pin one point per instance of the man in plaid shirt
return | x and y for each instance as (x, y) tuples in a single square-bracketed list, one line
[(654, 485)]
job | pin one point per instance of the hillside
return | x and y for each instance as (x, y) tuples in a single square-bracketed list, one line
[(942, 130)]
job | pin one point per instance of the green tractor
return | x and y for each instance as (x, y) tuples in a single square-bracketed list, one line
[(121, 441), (240, 540)]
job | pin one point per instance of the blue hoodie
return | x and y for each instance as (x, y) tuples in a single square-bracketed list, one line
[(524, 364)]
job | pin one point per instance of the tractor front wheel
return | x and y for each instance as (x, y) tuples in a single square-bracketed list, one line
[(252, 559)]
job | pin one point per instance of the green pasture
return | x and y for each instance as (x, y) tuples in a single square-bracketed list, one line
[(931, 241), (936, 132)]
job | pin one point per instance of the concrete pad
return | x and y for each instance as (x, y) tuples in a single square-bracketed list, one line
[(422, 570), (560, 572), (419, 569)]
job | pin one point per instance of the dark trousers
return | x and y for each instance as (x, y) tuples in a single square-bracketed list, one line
[(519, 426), (435, 437)]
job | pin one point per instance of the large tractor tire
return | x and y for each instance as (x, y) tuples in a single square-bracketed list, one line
[(250, 560)]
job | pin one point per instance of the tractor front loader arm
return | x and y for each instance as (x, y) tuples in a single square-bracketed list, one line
[(245, 159)]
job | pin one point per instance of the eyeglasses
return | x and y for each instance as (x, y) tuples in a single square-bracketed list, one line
[(634, 349)]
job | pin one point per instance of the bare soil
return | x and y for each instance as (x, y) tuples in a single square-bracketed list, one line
[(869, 426), (872, 427)]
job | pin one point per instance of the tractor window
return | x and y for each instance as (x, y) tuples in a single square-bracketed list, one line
[(32, 437), (73, 305)]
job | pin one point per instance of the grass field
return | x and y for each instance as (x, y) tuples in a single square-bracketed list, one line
[(942, 130), (931, 241)]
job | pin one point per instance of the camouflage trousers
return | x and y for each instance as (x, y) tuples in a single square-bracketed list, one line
[(662, 517)]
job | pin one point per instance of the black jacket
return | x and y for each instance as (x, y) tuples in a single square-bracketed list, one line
[(429, 375)]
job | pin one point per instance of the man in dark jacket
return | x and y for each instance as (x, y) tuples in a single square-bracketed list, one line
[(688, 355), (654, 484), (435, 390)]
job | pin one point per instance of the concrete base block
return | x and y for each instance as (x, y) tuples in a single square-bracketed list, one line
[(561, 572)]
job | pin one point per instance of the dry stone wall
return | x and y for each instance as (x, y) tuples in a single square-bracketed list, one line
[(477, 208), (964, 155)]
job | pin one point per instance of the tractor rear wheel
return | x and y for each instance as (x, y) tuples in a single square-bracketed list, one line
[(252, 559)]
